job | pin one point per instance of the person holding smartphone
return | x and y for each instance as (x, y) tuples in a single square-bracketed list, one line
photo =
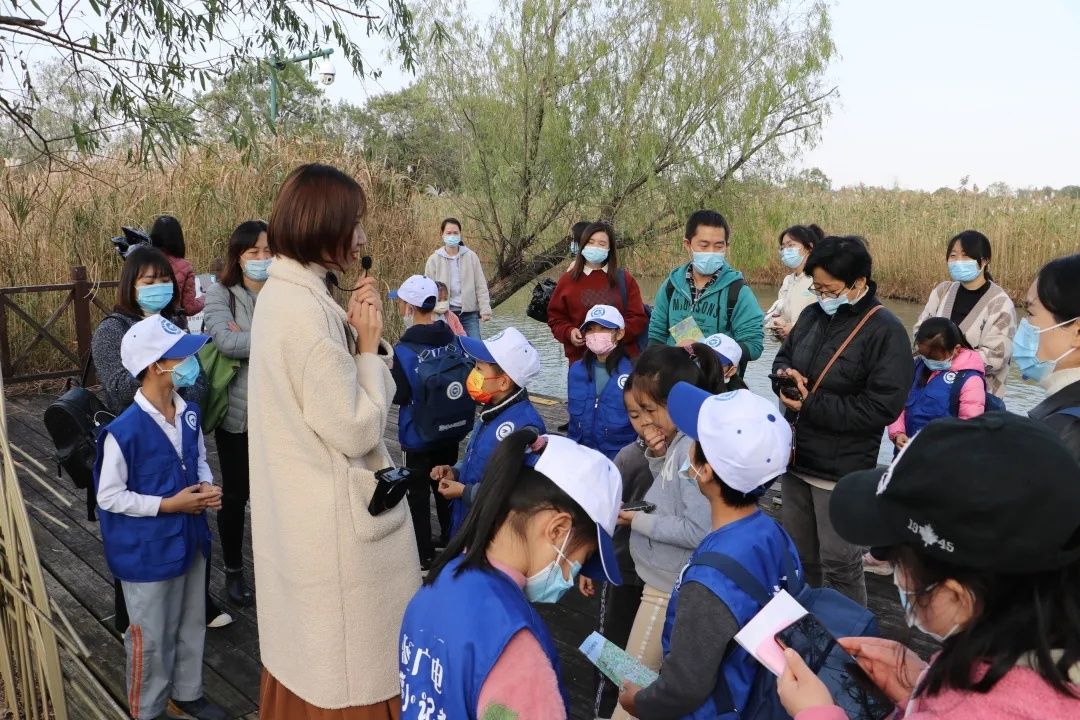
[(986, 547), (741, 445)]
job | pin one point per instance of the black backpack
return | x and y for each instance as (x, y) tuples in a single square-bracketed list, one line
[(73, 421), (442, 408), (541, 296)]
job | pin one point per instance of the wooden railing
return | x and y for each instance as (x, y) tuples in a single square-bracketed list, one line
[(79, 296)]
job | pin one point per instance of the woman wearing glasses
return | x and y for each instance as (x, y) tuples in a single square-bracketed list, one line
[(848, 369)]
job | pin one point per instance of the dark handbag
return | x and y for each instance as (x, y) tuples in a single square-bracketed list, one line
[(73, 421), (541, 297)]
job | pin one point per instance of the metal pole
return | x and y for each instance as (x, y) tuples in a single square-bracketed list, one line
[(275, 65)]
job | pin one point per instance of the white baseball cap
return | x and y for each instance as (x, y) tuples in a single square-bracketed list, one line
[(419, 291), (153, 339), (726, 347), (510, 351), (744, 437), (604, 316), (594, 483)]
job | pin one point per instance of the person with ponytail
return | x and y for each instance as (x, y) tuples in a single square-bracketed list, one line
[(981, 307), (795, 245), (661, 540), (740, 445), (471, 645)]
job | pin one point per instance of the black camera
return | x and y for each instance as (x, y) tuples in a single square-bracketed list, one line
[(132, 238)]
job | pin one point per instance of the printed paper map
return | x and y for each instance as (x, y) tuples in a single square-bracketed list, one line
[(614, 662)]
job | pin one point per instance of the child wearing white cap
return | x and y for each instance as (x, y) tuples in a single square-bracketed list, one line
[(730, 354), (741, 445), (430, 371), (153, 487), (594, 387), (471, 644), (505, 364)]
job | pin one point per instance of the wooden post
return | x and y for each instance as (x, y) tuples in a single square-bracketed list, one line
[(5, 342), (81, 290)]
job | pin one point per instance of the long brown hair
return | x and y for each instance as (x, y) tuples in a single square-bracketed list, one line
[(314, 215), (243, 238), (141, 258), (612, 258)]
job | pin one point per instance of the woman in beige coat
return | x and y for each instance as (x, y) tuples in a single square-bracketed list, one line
[(332, 581)]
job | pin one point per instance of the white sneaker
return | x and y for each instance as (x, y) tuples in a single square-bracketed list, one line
[(871, 564), (222, 619)]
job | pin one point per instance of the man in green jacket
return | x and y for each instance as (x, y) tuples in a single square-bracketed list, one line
[(702, 289)]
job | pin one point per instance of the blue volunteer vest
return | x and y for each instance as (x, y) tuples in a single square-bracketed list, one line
[(930, 401), (453, 633), (600, 423), (486, 435), (149, 549), (759, 545)]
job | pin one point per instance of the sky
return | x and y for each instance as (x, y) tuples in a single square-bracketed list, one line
[(929, 92)]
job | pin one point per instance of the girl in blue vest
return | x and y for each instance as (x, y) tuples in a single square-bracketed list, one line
[(741, 443), (505, 364), (471, 644), (153, 487), (598, 417), (950, 380)]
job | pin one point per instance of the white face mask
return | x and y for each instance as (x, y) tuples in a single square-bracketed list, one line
[(911, 612), (442, 307)]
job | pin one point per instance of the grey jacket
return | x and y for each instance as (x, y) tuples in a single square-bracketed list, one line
[(232, 344), (474, 288), (661, 541), (117, 384)]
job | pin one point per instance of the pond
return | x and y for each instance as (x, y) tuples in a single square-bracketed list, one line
[(1020, 398)]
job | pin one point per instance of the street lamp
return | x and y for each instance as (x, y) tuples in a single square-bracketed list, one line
[(326, 75)]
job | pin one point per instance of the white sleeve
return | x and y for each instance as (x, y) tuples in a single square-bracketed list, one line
[(113, 495), (205, 474)]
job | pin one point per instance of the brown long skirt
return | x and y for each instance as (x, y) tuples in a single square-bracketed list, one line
[(277, 702)]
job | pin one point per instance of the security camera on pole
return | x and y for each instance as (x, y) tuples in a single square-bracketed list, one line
[(327, 73)]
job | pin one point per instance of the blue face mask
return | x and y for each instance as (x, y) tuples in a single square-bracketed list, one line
[(708, 263), (595, 255), (964, 270), (910, 614), (1026, 351), (831, 305), (154, 298), (451, 240), (574, 249), (936, 365), (791, 257), (186, 373), (549, 585), (257, 270)]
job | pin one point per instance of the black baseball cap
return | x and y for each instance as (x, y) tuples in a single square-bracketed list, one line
[(997, 492)]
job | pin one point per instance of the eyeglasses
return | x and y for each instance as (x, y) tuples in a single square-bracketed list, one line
[(829, 294)]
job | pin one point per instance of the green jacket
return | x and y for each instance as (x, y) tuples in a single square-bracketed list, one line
[(710, 312)]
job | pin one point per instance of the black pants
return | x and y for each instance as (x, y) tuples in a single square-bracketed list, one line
[(235, 488), (120, 613), (421, 487), (618, 606)]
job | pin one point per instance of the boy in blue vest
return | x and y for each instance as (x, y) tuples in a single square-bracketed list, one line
[(742, 445), (505, 364), (153, 487), (426, 335)]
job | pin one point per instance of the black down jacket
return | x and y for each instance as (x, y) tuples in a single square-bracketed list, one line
[(1066, 426), (840, 427)]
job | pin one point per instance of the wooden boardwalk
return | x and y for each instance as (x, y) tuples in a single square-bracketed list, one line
[(80, 583)]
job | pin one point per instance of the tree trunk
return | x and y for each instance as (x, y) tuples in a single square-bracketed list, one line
[(517, 273)]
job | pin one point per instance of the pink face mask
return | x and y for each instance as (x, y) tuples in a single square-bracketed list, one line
[(600, 343)]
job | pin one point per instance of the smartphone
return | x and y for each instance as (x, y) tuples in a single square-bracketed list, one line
[(391, 486), (850, 686), (639, 506), (786, 385)]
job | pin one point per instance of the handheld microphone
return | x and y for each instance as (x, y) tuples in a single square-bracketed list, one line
[(365, 265)]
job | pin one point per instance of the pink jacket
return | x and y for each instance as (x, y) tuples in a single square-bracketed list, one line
[(185, 280), (972, 394), (1020, 695), (454, 322)]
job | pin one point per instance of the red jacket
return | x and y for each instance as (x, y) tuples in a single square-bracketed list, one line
[(573, 298), (185, 280)]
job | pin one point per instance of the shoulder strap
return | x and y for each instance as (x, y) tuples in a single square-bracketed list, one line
[(620, 279), (1073, 412), (733, 291), (739, 575), (670, 290), (232, 302), (842, 348)]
